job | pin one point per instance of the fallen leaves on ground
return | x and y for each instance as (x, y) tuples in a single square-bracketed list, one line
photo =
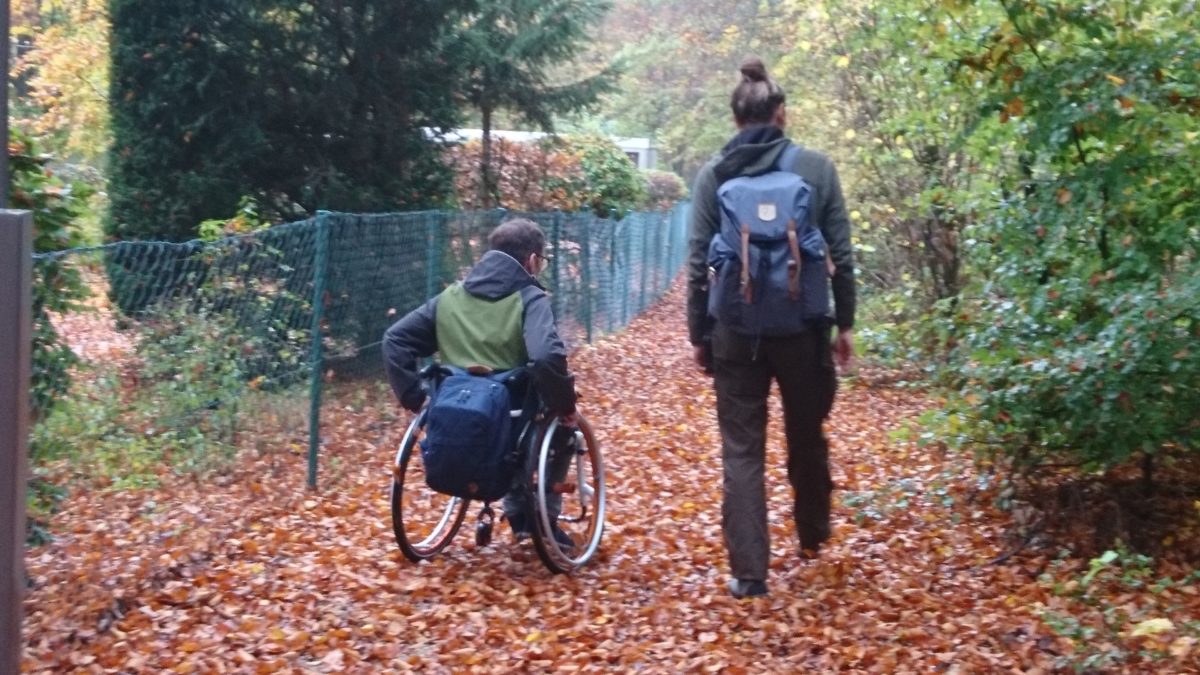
[(253, 573)]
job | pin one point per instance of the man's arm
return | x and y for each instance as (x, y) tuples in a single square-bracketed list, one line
[(548, 354), (404, 344), (836, 228), (835, 225), (705, 223)]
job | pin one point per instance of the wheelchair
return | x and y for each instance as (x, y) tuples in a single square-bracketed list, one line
[(559, 475)]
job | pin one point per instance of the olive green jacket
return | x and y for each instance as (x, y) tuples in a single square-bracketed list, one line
[(499, 317)]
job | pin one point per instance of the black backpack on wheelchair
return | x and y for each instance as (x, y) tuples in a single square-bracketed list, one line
[(480, 438), (470, 445)]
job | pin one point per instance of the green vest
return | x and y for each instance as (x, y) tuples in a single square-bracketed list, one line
[(475, 331)]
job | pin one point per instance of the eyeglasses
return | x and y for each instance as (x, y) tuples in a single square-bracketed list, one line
[(546, 258)]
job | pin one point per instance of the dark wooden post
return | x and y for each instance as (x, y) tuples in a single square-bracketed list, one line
[(4, 14), (16, 262)]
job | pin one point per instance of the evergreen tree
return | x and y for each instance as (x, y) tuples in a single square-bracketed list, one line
[(183, 114), (349, 103), (516, 54), (301, 104)]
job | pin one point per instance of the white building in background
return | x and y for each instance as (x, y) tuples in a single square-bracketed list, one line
[(641, 151)]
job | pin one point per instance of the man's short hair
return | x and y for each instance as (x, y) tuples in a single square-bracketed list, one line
[(519, 238)]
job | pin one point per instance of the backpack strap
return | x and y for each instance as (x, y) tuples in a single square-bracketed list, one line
[(796, 263), (787, 158), (787, 162), (747, 291)]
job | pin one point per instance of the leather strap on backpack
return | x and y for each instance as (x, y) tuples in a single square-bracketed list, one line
[(747, 290), (796, 264)]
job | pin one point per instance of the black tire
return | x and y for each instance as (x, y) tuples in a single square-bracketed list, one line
[(414, 505), (583, 511)]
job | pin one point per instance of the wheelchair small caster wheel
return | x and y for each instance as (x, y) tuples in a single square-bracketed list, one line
[(483, 529)]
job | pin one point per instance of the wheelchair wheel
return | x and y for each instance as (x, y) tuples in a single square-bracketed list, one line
[(423, 521), (581, 489)]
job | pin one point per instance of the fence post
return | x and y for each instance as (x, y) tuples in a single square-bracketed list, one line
[(679, 232), (316, 356), (660, 253), (646, 255), (16, 333), (555, 245), (664, 239), (627, 260), (612, 272), (433, 253), (676, 216), (585, 262)]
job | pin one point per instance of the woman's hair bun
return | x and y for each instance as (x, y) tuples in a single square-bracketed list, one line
[(754, 70)]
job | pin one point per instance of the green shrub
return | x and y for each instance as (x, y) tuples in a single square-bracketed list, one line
[(57, 286), (1075, 342), (614, 183), (1150, 625), (664, 189), (174, 407)]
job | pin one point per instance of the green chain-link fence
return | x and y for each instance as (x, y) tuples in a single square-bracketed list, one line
[(254, 302)]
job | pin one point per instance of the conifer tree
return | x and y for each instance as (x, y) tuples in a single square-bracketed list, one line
[(300, 104), (517, 55)]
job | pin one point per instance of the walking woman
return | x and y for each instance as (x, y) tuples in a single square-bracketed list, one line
[(747, 334)]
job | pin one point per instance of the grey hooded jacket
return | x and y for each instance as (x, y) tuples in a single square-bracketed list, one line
[(496, 276), (752, 152)]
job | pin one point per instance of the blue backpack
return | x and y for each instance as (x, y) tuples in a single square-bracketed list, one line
[(769, 264), (468, 449)]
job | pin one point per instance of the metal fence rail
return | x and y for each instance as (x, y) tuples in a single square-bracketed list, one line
[(309, 301)]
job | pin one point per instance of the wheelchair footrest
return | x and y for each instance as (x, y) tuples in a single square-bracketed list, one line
[(483, 529)]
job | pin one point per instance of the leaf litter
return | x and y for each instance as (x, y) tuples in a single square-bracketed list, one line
[(253, 573)]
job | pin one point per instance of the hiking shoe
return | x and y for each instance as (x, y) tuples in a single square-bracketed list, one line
[(810, 544), (747, 588), (563, 539), (521, 527)]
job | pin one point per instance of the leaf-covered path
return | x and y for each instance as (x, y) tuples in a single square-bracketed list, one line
[(258, 575)]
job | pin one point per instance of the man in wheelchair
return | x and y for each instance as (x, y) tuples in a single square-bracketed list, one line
[(497, 319)]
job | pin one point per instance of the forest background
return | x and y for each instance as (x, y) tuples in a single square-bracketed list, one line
[(1020, 174), (1025, 220)]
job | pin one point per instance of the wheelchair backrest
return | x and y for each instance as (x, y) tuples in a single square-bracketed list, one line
[(516, 380)]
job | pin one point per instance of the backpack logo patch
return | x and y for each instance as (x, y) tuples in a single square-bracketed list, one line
[(767, 212)]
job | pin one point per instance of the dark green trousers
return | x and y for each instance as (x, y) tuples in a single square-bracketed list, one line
[(743, 367)]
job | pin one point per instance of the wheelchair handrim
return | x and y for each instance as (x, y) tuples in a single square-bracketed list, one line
[(596, 530), (445, 527)]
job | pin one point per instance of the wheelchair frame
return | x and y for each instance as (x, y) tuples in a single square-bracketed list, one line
[(535, 454)]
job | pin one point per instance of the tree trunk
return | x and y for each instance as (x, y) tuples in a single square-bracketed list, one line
[(486, 190), (1147, 475)]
